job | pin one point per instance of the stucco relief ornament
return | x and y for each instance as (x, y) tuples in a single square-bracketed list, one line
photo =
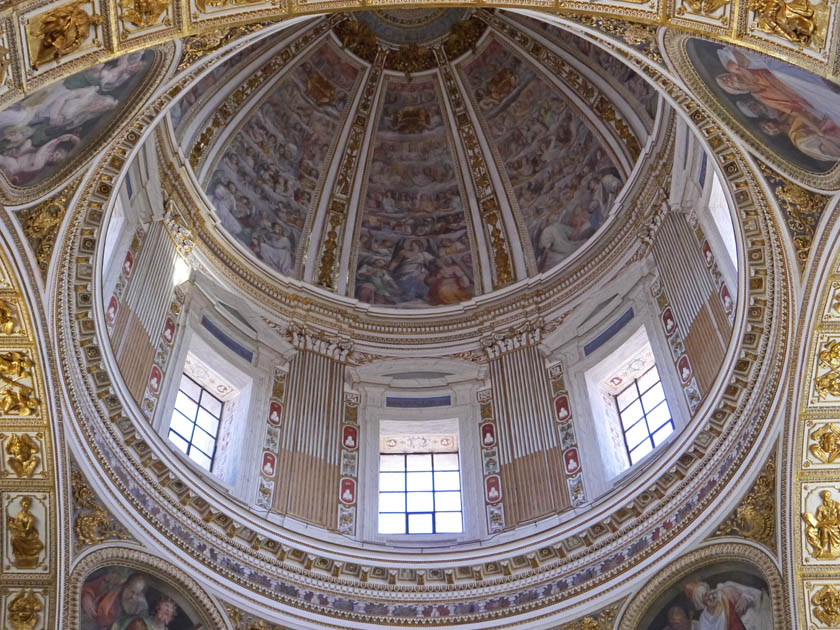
[(24, 611), (829, 382), (795, 21), (822, 529), (26, 541), (8, 320), (93, 524), (16, 398), (61, 31), (827, 443), (144, 13), (22, 458), (826, 603)]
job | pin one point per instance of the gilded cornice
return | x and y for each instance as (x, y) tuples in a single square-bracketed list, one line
[(585, 559)]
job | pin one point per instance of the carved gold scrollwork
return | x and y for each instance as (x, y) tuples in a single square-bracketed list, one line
[(822, 528), (826, 447), (704, 7), (754, 517), (42, 222), (9, 324), (60, 31), (826, 602), (93, 524), (24, 611)]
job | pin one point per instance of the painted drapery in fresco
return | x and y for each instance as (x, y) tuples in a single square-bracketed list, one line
[(792, 112), (562, 177), (728, 596), (120, 598), (414, 248), (45, 131), (268, 176)]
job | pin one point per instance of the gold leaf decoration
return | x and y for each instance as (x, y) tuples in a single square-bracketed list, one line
[(42, 222), (24, 611), (754, 518), (93, 524), (822, 528), (60, 31), (802, 210), (826, 602)]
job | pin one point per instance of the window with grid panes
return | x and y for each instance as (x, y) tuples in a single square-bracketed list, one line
[(195, 422), (420, 493), (645, 416)]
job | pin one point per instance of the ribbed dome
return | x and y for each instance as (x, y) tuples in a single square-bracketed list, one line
[(416, 159)]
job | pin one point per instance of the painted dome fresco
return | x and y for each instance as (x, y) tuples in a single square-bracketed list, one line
[(415, 159)]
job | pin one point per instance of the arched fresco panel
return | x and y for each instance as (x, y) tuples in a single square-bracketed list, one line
[(267, 178), (562, 176), (124, 598), (50, 129)]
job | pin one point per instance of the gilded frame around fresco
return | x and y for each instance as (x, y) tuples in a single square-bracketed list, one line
[(677, 57), (160, 68), (705, 556), (210, 614)]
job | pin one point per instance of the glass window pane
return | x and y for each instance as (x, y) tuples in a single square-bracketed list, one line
[(180, 424), (391, 481), (178, 441), (631, 414), (200, 458), (392, 502), (648, 378), (447, 501), (391, 462), (185, 405), (448, 522), (190, 387), (207, 422), (643, 449), (392, 523), (204, 441), (636, 434), (420, 524), (659, 416), (626, 397), (419, 502), (653, 397), (211, 404), (446, 461), (663, 433), (418, 462), (418, 481), (447, 480)]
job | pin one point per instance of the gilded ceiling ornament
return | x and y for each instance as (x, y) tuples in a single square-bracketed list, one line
[(24, 611), (60, 31), (604, 620), (198, 46), (23, 533), (642, 37), (828, 382), (704, 7), (219, 4), (754, 518), (463, 36), (93, 524), (144, 13), (241, 620), (822, 530), (826, 603), (410, 59), (22, 450), (802, 210), (42, 222), (795, 21), (358, 38), (826, 447), (8, 318), (16, 398)]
